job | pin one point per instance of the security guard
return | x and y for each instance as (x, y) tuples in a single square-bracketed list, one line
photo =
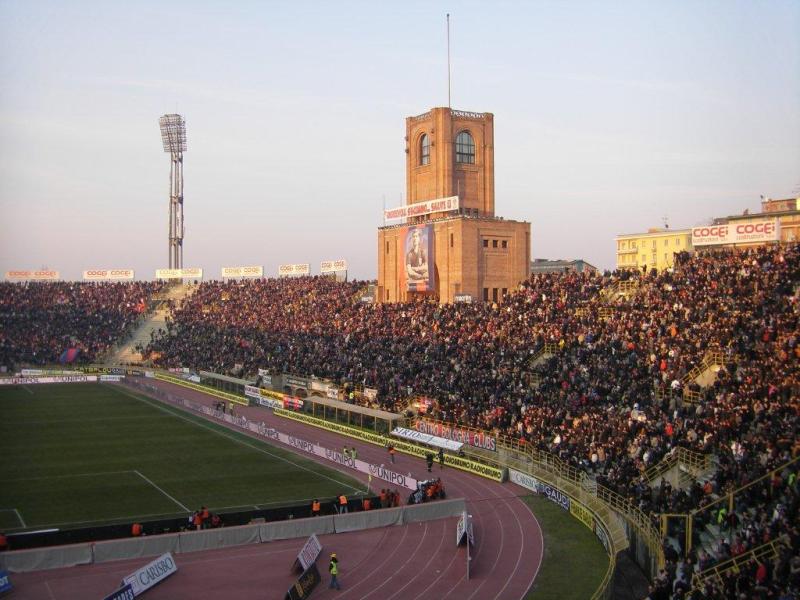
[(333, 569), (315, 508)]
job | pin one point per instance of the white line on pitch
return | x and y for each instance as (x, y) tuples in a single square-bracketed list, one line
[(27, 389), (201, 422), (69, 476), (19, 516), (163, 492)]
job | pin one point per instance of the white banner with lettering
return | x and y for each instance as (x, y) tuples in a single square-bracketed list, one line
[(190, 273), (251, 271), (41, 275), (332, 266), (422, 208), (424, 438), (300, 269), (108, 274)]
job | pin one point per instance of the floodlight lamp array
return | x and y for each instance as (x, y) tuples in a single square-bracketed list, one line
[(173, 133)]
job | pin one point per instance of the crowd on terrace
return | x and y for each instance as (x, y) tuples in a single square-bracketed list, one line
[(605, 400), (39, 320)]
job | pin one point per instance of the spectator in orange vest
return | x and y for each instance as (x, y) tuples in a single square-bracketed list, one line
[(366, 504), (315, 508), (204, 516), (342, 504), (391, 452), (197, 520), (395, 498), (384, 499), (136, 530)]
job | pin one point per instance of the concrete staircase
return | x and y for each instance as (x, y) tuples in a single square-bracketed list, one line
[(125, 352)]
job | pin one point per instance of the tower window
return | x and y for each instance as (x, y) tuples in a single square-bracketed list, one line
[(465, 148), (425, 150)]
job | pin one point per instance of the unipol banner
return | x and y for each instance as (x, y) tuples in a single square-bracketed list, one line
[(290, 270), (108, 274), (190, 273), (41, 275), (767, 230), (252, 271), (418, 252), (333, 266), (422, 208)]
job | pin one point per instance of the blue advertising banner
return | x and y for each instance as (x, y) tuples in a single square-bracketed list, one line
[(5, 582)]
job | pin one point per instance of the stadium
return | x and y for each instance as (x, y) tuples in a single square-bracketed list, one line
[(656, 410), (465, 421)]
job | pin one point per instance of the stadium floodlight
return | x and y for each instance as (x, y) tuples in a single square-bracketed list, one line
[(173, 133), (173, 136)]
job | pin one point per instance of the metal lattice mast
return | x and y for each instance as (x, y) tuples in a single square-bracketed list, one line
[(173, 136)]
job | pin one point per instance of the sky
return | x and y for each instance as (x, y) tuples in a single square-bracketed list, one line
[(610, 117)]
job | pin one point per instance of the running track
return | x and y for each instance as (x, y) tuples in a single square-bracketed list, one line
[(417, 561)]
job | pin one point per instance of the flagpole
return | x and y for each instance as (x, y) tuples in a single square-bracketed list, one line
[(448, 61)]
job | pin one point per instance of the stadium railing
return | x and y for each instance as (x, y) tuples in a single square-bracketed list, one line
[(730, 499), (762, 553), (695, 462)]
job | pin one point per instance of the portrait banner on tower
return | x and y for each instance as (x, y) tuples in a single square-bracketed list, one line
[(418, 252)]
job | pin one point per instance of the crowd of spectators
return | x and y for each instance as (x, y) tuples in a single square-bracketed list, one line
[(39, 320), (606, 400)]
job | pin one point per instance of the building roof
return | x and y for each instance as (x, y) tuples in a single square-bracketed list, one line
[(762, 215), (656, 233)]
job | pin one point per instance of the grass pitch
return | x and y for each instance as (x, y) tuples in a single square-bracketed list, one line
[(574, 561), (76, 455)]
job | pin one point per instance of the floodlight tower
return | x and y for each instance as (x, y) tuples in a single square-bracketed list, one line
[(173, 136)]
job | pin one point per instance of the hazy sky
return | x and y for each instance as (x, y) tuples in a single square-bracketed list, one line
[(609, 116)]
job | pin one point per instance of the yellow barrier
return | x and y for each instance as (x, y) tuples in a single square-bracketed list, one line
[(463, 464), (582, 514), (203, 388)]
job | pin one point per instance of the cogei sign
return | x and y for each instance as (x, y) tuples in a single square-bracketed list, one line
[(737, 233)]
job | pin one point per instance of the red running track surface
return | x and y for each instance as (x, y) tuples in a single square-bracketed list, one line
[(417, 561)]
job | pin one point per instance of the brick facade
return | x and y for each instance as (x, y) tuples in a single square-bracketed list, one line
[(474, 252)]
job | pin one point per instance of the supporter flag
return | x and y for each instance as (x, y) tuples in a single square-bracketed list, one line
[(68, 356), (140, 307)]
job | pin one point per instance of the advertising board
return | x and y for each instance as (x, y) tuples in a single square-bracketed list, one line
[(333, 266), (189, 273), (152, 573), (766, 230), (294, 269), (40, 275), (251, 271), (108, 275)]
